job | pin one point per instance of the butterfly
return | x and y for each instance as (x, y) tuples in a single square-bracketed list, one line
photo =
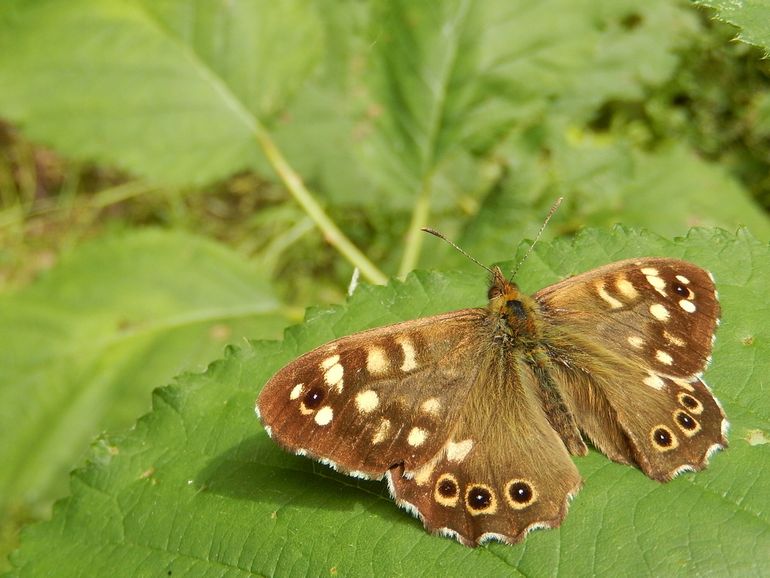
[(473, 415)]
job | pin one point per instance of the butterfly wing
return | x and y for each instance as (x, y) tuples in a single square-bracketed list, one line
[(386, 396), (503, 471), (629, 342)]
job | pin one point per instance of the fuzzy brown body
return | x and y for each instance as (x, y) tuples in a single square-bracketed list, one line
[(472, 415)]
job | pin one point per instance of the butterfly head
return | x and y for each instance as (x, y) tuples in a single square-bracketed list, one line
[(507, 300)]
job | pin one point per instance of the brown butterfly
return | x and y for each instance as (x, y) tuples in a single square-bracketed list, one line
[(472, 415)]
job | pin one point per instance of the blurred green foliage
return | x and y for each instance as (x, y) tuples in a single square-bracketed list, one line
[(265, 137)]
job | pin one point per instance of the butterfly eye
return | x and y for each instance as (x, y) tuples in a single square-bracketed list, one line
[(517, 308)]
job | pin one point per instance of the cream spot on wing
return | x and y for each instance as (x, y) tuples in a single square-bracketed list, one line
[(636, 341), (330, 362), (304, 410), (664, 357), (417, 437), (431, 405), (654, 381), (377, 361), (456, 452), (410, 355), (424, 473), (650, 271), (382, 432), (658, 284), (626, 288), (333, 376), (659, 311), (324, 415), (367, 401), (683, 383), (673, 339), (296, 391), (683, 279), (609, 299), (688, 306)]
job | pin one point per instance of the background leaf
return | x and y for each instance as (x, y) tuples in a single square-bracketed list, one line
[(86, 343), (197, 487)]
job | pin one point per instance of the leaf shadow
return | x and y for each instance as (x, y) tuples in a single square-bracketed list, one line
[(257, 470)]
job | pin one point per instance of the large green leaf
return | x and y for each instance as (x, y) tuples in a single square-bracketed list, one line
[(85, 344), (198, 488)]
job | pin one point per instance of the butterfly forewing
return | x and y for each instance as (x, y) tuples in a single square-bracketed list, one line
[(660, 312), (377, 398)]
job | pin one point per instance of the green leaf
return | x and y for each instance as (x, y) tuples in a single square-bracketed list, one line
[(751, 16), (198, 488), (85, 344), (171, 90)]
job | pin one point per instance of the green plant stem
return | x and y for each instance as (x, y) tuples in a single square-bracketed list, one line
[(331, 232), (414, 235)]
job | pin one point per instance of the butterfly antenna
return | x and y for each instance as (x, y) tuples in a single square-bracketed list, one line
[(435, 233), (554, 207)]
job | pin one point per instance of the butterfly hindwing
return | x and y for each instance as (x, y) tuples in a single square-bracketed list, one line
[(496, 477)]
